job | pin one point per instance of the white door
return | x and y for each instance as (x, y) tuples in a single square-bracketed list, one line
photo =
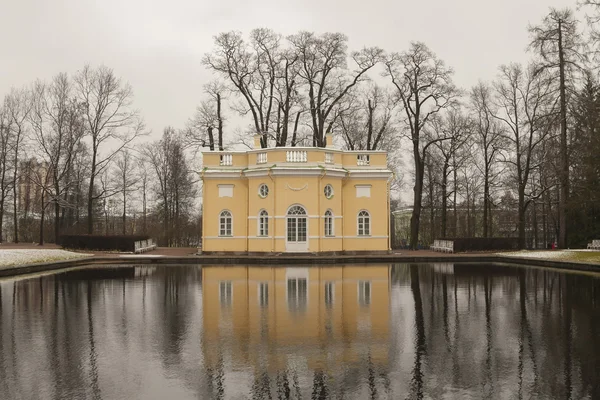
[(297, 230)]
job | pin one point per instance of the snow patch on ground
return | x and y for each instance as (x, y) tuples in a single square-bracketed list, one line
[(141, 255), (547, 254), (10, 258)]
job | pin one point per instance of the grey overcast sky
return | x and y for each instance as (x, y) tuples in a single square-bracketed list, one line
[(157, 45)]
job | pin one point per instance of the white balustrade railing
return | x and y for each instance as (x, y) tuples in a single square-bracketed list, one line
[(363, 159), (226, 159), (328, 158), (296, 156), (261, 158)]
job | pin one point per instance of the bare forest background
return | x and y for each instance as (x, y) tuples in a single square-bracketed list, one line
[(514, 157)]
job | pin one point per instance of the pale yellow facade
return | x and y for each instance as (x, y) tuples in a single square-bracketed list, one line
[(295, 199), (267, 313)]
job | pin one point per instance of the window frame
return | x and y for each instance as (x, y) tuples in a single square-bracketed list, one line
[(263, 223), (331, 191), (223, 219), (328, 222), (363, 223), (260, 190)]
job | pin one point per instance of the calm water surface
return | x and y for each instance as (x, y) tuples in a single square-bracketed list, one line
[(435, 331)]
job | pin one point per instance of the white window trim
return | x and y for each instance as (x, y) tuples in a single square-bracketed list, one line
[(230, 216), (358, 217), (332, 191), (258, 223), (332, 219), (259, 190)]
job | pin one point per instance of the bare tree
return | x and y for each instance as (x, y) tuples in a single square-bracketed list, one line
[(489, 139), (424, 86), (525, 108), (200, 130), (5, 153), (559, 44), (109, 119), (175, 189), (57, 126), (365, 120), (325, 73), (251, 69), (126, 178), (455, 127), (18, 105)]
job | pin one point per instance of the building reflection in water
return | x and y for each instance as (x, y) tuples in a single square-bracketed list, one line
[(288, 326), (354, 332)]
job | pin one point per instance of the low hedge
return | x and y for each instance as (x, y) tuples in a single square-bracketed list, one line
[(484, 244), (102, 242)]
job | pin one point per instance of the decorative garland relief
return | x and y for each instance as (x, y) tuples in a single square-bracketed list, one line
[(297, 189)]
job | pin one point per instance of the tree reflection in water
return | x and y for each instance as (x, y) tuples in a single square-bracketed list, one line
[(354, 332)]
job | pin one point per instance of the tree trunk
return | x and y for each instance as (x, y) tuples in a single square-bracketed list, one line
[(455, 222), (220, 122), (535, 226), (486, 202), (43, 213), (415, 219), (90, 216), (1, 220), (211, 138), (521, 221), (15, 199), (56, 220), (564, 161), (444, 210), (295, 132), (124, 213)]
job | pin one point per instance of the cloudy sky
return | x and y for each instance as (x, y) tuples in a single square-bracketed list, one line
[(157, 45)]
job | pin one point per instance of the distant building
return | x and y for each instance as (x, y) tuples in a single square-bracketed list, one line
[(295, 199)]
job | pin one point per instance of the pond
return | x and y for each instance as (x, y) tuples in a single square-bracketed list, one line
[(375, 331)]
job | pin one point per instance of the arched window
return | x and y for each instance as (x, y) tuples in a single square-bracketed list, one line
[(263, 223), (364, 223), (225, 223), (328, 223), (296, 210)]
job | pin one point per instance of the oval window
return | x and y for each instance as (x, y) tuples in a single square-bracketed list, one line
[(263, 190), (328, 191)]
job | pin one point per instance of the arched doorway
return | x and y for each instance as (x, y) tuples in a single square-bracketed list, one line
[(296, 229)]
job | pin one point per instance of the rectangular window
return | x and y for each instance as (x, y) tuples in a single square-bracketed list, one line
[(225, 293), (302, 229), (291, 225), (364, 293), (328, 225), (263, 294), (225, 224), (263, 225)]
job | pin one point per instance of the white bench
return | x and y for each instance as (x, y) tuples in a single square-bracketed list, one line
[(595, 245), (447, 246), (142, 246)]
